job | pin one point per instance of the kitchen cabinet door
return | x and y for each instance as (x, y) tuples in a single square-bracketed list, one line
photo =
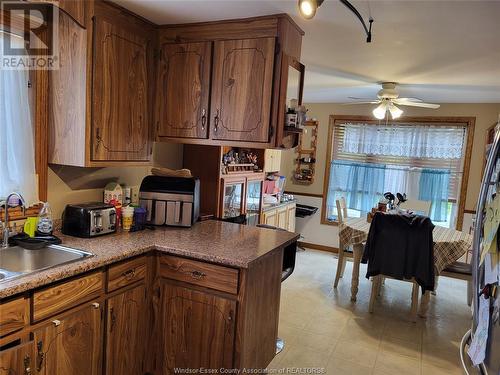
[(282, 217), (233, 197), (71, 344), (19, 360), (184, 87), (242, 89), (121, 109), (126, 332), (198, 329), (291, 217), (270, 217)]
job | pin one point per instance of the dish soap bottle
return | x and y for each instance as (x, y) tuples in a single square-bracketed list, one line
[(45, 224)]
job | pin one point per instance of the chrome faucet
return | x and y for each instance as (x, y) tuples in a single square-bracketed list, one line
[(6, 232)]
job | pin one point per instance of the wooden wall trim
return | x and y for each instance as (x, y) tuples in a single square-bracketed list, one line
[(309, 245), (468, 121)]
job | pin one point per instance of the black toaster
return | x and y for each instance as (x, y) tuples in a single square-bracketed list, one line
[(88, 219)]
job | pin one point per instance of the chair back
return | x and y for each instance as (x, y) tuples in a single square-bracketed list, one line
[(419, 207), (341, 209)]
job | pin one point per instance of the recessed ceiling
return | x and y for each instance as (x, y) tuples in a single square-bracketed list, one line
[(440, 51)]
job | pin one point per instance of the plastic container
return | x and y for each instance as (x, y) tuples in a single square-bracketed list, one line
[(139, 218), (45, 223), (127, 218)]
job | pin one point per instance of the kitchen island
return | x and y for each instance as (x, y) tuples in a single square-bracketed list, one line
[(149, 302)]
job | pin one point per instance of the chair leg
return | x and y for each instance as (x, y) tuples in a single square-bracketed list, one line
[(340, 262), (414, 302), (379, 285), (436, 279), (469, 292), (344, 261), (375, 283)]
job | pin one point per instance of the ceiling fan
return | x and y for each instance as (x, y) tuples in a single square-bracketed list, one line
[(387, 98)]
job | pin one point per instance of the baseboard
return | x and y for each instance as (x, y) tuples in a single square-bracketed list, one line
[(314, 246)]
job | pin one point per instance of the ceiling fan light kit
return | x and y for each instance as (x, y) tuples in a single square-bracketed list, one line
[(388, 100), (307, 9)]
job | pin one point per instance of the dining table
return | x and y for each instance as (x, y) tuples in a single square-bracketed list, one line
[(449, 246)]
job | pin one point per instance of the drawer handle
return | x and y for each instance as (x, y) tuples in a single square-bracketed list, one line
[(130, 274), (198, 275), (203, 119), (216, 121), (56, 322)]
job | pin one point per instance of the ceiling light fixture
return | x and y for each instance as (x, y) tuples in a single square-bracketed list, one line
[(307, 9), (395, 111), (379, 112)]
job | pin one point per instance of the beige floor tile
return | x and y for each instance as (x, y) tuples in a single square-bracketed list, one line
[(339, 366), (406, 331), (359, 334), (324, 325), (303, 357), (433, 370), (393, 345), (356, 351), (441, 358), (393, 364), (321, 343)]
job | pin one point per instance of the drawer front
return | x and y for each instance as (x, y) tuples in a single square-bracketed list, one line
[(14, 315), (49, 301), (126, 273), (203, 274)]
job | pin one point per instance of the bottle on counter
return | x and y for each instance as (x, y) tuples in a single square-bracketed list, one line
[(45, 223)]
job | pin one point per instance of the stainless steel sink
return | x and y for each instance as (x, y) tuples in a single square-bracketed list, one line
[(17, 261)]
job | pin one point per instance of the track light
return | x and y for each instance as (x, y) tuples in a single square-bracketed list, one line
[(308, 8), (380, 111)]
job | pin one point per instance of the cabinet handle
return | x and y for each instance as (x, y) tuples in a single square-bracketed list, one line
[(130, 274), (39, 356), (203, 118), (216, 121), (198, 275), (113, 319), (95, 305), (56, 322), (27, 365)]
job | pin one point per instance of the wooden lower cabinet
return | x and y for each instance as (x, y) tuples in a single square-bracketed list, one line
[(126, 332), (71, 344), (198, 329), (270, 218), (282, 216), (19, 360)]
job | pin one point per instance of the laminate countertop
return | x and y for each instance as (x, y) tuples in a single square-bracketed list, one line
[(213, 241)]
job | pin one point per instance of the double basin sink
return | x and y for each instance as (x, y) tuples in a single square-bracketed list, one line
[(17, 261)]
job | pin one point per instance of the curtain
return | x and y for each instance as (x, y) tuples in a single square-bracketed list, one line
[(17, 150), (361, 184), (434, 185), (424, 141)]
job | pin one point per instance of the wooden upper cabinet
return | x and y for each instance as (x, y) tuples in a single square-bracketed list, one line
[(242, 89), (183, 90), (120, 105)]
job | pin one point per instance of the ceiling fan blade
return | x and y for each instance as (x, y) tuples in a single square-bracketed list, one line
[(372, 102), (422, 105), (413, 100), (356, 98)]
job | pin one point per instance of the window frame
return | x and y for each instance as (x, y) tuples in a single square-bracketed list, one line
[(468, 122)]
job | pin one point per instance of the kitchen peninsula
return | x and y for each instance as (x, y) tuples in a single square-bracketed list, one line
[(149, 302)]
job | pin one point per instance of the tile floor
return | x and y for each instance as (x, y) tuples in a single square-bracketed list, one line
[(322, 329)]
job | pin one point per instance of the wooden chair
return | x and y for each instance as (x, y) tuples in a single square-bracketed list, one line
[(343, 250), (461, 271), (377, 282)]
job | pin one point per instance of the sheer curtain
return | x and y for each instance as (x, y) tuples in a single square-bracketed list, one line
[(434, 185), (361, 184), (17, 150)]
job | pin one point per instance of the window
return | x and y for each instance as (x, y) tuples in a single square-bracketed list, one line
[(17, 149), (424, 158)]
